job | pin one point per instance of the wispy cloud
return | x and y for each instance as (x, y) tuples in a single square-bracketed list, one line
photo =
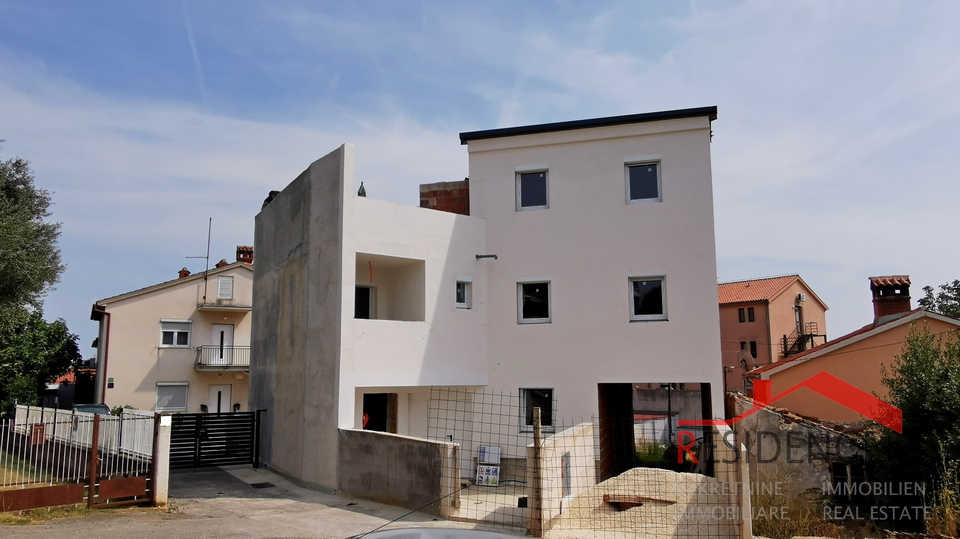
[(197, 66)]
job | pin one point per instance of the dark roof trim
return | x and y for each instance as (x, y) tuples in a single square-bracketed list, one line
[(710, 112)]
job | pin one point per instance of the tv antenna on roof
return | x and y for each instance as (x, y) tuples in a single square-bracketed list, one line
[(206, 266)]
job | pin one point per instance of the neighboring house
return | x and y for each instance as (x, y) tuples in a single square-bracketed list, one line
[(764, 321), (857, 357), (179, 346), (577, 260)]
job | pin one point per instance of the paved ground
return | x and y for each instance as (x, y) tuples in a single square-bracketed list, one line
[(222, 503)]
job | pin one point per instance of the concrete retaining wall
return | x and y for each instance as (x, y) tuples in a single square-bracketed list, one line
[(399, 470)]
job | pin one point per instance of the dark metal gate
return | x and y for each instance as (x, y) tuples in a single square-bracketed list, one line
[(198, 440)]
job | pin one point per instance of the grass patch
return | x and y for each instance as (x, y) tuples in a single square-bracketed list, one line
[(46, 514), (16, 471), (945, 514), (651, 456)]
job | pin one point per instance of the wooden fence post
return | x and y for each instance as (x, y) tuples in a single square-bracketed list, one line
[(536, 500)]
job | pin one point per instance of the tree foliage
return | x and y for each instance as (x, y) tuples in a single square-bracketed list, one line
[(29, 258), (32, 353), (924, 383), (946, 300)]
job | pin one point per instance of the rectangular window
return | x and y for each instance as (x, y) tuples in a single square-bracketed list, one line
[(643, 182), (533, 303), (532, 190), (175, 333), (647, 299), (753, 349), (742, 315), (172, 397), (224, 287), (363, 307), (536, 398), (751, 315), (464, 291), (743, 345)]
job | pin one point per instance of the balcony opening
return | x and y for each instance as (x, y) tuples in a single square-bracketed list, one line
[(390, 288)]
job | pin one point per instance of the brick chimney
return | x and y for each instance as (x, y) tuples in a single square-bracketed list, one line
[(453, 197), (891, 297), (183, 273), (245, 254), (223, 262)]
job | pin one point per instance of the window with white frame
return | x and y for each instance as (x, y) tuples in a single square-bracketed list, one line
[(532, 193), (531, 398), (224, 287), (533, 302), (643, 182), (647, 299), (172, 397), (175, 333), (464, 293)]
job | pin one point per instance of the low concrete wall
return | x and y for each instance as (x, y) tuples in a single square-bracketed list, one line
[(568, 468), (399, 470)]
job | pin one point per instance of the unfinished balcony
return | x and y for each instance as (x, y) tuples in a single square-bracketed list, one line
[(215, 357)]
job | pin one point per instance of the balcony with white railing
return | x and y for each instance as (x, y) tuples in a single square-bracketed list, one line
[(215, 357)]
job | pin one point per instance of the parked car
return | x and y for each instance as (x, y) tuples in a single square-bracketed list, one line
[(101, 409)]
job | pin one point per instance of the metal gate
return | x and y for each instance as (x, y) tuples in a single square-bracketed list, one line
[(198, 440)]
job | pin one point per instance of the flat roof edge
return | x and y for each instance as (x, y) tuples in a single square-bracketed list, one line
[(710, 112)]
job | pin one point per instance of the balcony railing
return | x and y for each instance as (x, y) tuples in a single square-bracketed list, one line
[(214, 357)]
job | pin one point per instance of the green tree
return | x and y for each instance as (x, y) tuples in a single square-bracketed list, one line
[(924, 383), (29, 258), (32, 353), (946, 300)]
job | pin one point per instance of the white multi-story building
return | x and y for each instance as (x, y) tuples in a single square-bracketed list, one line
[(587, 258)]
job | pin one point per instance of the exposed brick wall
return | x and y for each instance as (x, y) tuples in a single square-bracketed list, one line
[(453, 197)]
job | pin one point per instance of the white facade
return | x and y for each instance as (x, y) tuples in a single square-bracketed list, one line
[(319, 241)]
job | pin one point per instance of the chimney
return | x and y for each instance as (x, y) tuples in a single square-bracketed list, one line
[(453, 197), (891, 297), (184, 272), (245, 254), (223, 262)]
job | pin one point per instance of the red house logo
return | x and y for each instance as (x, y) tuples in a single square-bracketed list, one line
[(824, 384)]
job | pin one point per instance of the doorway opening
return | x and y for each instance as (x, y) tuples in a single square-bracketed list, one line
[(380, 412)]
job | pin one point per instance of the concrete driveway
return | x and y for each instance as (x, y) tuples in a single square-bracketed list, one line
[(237, 502)]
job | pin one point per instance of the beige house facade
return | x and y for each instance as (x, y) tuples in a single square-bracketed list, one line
[(857, 358), (763, 321), (179, 346)]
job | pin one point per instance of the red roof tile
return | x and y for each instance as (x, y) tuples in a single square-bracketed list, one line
[(754, 289), (894, 280)]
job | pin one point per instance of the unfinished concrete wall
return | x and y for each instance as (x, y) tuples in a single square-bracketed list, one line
[(294, 366), (568, 467), (399, 470)]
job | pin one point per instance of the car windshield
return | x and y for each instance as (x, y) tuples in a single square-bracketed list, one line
[(93, 408)]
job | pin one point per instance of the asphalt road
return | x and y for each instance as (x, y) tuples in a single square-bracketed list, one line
[(222, 503)]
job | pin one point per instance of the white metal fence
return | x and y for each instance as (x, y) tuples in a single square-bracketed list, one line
[(46, 446)]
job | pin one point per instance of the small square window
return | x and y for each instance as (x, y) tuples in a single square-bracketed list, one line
[(647, 299), (224, 287), (751, 316), (532, 190), (533, 303), (742, 315), (174, 334), (536, 398), (643, 182), (172, 397), (464, 293)]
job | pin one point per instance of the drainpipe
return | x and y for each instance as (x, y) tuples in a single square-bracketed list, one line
[(98, 313)]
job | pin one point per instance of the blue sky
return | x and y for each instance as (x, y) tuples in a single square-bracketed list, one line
[(834, 155)]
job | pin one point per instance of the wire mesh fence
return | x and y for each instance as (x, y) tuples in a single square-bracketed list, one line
[(523, 467)]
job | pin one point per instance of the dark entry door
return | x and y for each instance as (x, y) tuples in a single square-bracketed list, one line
[(199, 440)]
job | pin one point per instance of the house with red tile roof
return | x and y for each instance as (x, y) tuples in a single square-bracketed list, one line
[(857, 357), (763, 321)]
